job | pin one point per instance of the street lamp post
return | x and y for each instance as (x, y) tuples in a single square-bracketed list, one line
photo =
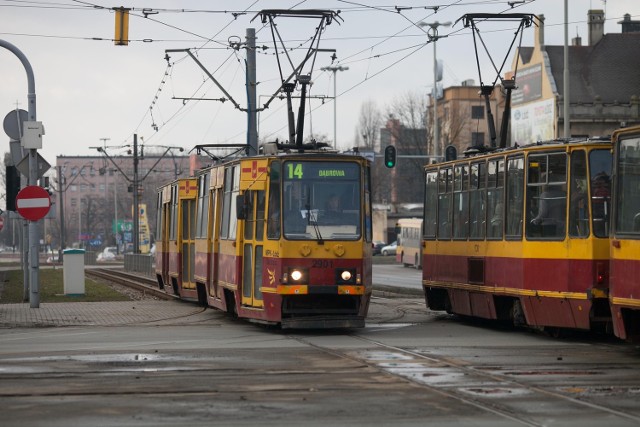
[(335, 69), (433, 36)]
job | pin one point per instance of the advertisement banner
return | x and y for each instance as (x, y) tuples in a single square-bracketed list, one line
[(533, 122)]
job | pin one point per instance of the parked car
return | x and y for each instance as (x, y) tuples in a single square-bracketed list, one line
[(377, 247), (389, 249), (108, 254)]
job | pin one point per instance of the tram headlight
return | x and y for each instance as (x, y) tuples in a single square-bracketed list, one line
[(347, 276), (295, 275)]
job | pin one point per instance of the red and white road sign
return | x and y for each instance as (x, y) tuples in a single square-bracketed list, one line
[(1, 223), (33, 203)]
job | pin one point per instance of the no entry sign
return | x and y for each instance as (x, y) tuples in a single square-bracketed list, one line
[(33, 203)]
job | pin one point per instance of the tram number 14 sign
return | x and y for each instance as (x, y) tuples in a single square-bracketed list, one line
[(33, 203)]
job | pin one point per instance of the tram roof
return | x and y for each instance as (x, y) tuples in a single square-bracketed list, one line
[(480, 151)]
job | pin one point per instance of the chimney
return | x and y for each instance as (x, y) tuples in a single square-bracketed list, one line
[(539, 31), (629, 26), (576, 41), (596, 25)]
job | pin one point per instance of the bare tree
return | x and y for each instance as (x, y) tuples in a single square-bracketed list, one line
[(456, 125), (369, 125), (406, 130)]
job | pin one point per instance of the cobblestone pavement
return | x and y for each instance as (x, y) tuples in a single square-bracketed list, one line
[(101, 313)]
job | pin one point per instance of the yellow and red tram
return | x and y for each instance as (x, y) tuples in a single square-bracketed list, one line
[(283, 238), (520, 234), (175, 251), (624, 291)]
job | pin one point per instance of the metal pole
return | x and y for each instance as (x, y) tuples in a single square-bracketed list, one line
[(252, 128), (433, 36), (566, 95), (115, 208), (61, 196), (436, 133), (335, 69), (31, 262), (136, 217)]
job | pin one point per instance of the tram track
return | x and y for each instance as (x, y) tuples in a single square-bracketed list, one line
[(146, 285), (473, 385), (464, 382)]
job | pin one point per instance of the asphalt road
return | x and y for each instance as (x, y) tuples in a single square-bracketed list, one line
[(408, 367), (389, 276)]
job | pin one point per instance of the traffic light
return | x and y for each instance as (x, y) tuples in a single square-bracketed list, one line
[(13, 186), (390, 156), (121, 37)]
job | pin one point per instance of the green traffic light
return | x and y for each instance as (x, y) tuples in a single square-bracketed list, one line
[(390, 156)]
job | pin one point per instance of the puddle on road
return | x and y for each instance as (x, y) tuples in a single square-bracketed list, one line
[(495, 391), (373, 355)]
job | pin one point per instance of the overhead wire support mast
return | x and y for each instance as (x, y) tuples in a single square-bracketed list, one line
[(469, 20), (229, 97), (326, 17)]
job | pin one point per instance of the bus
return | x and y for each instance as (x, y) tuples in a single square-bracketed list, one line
[(521, 234), (409, 232)]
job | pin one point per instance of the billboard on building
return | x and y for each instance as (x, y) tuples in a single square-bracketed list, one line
[(533, 122), (529, 83)]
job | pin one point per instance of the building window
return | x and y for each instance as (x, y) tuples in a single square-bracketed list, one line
[(477, 112), (74, 188), (477, 138)]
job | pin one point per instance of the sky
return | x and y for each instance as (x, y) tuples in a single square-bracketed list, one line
[(91, 93)]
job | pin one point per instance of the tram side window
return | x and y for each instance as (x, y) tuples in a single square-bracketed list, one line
[(444, 203), (515, 196), (174, 213), (231, 185), (477, 201), (368, 226), (495, 196), (431, 205), (202, 220), (628, 187), (578, 205), (461, 202), (273, 226), (546, 196), (160, 215), (600, 166)]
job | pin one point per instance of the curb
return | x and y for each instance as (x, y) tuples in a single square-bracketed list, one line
[(387, 291)]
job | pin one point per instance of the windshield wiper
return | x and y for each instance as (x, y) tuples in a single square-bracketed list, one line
[(316, 229)]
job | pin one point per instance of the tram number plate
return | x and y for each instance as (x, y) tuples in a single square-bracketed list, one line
[(322, 263)]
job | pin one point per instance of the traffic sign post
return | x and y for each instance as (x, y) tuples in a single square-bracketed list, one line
[(30, 261), (33, 203)]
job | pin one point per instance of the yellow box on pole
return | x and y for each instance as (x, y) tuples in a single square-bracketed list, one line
[(122, 26)]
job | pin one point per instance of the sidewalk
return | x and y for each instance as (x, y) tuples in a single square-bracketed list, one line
[(97, 313)]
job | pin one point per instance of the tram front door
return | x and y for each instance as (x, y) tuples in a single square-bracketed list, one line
[(252, 248)]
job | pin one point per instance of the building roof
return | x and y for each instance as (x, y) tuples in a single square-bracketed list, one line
[(607, 70)]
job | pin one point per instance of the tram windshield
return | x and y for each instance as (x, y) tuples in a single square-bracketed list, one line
[(321, 200), (628, 187)]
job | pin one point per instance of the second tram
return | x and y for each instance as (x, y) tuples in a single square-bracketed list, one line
[(521, 234), (624, 291)]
